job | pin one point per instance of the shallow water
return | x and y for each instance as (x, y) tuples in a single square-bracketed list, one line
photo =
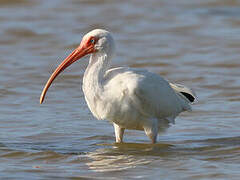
[(193, 43)]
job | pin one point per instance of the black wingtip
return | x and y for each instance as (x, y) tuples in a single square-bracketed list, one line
[(188, 96)]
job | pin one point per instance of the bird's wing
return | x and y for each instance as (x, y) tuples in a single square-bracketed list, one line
[(149, 93), (184, 92), (157, 97)]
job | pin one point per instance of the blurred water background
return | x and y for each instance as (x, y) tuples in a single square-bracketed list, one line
[(195, 43)]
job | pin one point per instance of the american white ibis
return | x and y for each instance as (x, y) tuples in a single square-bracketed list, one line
[(128, 98)]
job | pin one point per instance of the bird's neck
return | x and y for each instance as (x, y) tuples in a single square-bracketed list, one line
[(93, 78)]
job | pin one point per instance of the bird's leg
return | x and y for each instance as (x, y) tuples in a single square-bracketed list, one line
[(151, 130), (118, 133)]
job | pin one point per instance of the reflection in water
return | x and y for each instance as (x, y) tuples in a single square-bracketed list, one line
[(123, 156), (195, 43), (177, 157), (117, 157), (102, 162)]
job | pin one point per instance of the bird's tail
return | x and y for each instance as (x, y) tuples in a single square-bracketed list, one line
[(185, 93)]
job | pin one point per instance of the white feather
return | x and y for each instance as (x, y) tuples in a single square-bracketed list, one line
[(130, 98)]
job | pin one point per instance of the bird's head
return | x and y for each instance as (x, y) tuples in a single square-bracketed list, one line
[(96, 41)]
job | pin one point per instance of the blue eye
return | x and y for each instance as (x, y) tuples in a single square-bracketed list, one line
[(92, 41)]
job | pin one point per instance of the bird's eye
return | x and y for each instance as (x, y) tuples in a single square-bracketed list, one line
[(92, 41)]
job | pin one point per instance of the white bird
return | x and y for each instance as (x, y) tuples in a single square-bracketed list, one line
[(128, 98)]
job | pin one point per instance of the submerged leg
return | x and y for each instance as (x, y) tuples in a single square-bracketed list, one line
[(118, 133), (151, 130)]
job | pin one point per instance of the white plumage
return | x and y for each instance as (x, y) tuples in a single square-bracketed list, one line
[(127, 97)]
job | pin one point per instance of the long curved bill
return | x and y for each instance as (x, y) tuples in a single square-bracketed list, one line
[(74, 56)]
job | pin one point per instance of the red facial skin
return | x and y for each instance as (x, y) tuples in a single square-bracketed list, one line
[(86, 47)]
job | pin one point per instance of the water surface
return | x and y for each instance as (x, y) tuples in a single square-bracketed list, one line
[(193, 43)]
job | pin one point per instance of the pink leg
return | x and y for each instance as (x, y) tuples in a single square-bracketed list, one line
[(151, 130), (118, 133)]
